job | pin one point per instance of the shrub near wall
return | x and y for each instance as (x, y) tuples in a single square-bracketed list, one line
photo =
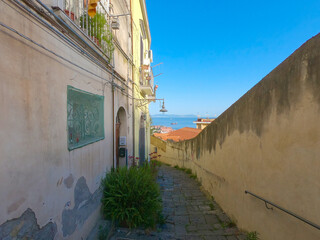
[(131, 197)]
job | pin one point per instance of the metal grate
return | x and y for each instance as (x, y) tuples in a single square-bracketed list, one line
[(85, 118)]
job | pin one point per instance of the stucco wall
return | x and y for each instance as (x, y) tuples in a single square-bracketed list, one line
[(268, 142), (141, 106), (41, 182)]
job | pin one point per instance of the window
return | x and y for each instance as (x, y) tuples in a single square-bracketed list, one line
[(141, 50), (85, 118)]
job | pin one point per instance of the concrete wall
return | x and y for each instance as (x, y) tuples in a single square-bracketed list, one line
[(268, 142), (46, 191)]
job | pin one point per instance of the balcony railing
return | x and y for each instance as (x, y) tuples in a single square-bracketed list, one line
[(96, 28)]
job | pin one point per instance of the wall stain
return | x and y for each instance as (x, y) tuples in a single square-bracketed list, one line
[(59, 182), (68, 182), (85, 204), (14, 206), (26, 227)]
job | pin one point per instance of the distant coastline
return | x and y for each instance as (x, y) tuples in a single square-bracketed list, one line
[(180, 121), (161, 115)]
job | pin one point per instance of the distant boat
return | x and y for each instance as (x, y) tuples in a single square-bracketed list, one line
[(174, 123)]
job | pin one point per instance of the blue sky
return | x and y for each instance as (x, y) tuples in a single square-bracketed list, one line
[(215, 51)]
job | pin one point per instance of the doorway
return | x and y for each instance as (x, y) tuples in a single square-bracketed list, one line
[(121, 138), (142, 140)]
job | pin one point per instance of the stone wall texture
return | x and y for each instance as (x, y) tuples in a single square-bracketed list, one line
[(268, 142)]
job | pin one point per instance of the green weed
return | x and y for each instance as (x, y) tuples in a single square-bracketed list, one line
[(252, 236), (156, 163), (212, 207), (102, 234), (231, 224), (193, 176)]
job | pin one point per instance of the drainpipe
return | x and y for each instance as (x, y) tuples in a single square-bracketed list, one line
[(133, 77), (112, 79), (113, 120)]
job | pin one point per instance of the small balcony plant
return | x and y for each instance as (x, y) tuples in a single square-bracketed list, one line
[(99, 31)]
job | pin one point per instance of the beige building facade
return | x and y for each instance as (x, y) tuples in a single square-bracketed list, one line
[(203, 122), (143, 82), (66, 109)]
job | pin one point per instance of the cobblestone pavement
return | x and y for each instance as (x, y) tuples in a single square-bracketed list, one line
[(189, 213)]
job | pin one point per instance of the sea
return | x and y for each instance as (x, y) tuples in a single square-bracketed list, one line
[(182, 121)]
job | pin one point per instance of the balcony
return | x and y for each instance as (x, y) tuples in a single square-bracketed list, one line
[(95, 30), (146, 80)]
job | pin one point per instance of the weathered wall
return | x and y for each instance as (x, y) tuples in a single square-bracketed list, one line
[(141, 106), (42, 184), (268, 142)]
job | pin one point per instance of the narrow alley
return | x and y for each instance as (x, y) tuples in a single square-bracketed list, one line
[(189, 213), (95, 93)]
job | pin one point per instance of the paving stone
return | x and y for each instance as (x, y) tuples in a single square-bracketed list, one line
[(178, 220), (168, 227), (197, 193), (211, 219), (217, 226), (204, 208), (207, 233), (180, 211), (219, 232), (231, 231), (178, 237), (209, 212), (197, 219), (242, 237), (223, 218), (191, 237), (202, 227), (214, 237), (232, 238), (192, 228), (180, 230), (192, 208), (195, 202)]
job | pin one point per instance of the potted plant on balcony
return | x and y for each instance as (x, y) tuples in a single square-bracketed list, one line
[(98, 29), (70, 14), (144, 67)]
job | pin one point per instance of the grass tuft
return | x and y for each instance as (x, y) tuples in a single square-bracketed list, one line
[(193, 176), (131, 197), (252, 236)]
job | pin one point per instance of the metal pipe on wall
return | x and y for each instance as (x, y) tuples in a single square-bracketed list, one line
[(133, 77)]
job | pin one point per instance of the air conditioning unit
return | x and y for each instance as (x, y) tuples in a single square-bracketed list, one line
[(146, 61), (58, 3), (150, 55)]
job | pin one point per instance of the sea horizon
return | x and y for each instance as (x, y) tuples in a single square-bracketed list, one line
[(179, 121)]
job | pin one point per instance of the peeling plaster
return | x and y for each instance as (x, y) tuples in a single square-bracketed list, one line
[(85, 204), (26, 227)]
